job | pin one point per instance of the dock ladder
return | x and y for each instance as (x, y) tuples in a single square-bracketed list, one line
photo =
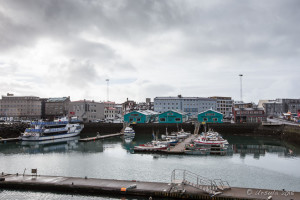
[(181, 177)]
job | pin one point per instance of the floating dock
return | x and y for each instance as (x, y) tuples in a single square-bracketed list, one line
[(92, 186), (99, 137), (10, 140)]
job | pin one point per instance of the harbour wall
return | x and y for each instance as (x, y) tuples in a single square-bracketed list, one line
[(288, 133)]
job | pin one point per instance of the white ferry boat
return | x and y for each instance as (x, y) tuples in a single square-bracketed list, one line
[(62, 128)]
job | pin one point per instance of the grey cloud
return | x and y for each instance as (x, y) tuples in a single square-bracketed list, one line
[(74, 73)]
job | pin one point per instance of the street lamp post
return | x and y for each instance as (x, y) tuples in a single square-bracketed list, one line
[(241, 85)]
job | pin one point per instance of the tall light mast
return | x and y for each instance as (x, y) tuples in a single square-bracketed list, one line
[(107, 81), (241, 82)]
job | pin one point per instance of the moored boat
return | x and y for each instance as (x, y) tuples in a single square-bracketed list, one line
[(151, 146), (62, 128), (129, 132)]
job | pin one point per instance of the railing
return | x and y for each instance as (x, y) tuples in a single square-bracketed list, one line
[(180, 176), (49, 123), (32, 130)]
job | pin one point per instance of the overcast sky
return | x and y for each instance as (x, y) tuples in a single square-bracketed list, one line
[(54, 48)]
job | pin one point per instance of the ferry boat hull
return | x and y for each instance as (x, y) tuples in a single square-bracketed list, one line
[(52, 137), (41, 131)]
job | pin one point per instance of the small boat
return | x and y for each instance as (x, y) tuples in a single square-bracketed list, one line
[(152, 146), (171, 141), (129, 132), (210, 138), (176, 135)]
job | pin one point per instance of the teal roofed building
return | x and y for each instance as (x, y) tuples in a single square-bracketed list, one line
[(172, 116), (210, 116), (140, 116)]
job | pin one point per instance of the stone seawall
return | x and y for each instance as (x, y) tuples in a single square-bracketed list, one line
[(12, 130)]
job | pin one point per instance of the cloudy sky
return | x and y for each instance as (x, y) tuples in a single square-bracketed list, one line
[(148, 48)]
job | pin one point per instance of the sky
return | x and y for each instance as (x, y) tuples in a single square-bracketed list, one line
[(150, 48)]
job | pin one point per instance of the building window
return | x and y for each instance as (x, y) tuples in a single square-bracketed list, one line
[(177, 119), (162, 119), (205, 119), (215, 119), (138, 120)]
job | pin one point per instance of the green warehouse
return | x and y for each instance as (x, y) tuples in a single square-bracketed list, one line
[(210, 116), (172, 116), (140, 116)]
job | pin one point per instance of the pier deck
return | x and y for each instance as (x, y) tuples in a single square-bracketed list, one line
[(93, 186), (99, 137), (179, 147)]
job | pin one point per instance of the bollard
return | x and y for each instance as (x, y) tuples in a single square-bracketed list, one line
[(85, 177), (72, 183)]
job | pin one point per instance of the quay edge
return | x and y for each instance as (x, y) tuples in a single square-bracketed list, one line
[(288, 133), (91, 186)]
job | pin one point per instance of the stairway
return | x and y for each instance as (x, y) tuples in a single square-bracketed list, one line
[(212, 187)]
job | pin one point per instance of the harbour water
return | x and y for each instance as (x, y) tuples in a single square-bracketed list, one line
[(253, 162)]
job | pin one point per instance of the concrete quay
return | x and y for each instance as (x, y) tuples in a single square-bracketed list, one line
[(157, 190)]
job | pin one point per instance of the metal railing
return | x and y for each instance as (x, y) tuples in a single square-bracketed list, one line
[(181, 176)]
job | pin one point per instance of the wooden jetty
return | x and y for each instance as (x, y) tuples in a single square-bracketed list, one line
[(99, 137), (92, 186), (9, 140), (179, 148)]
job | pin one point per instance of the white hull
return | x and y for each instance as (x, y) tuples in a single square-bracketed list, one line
[(52, 137)]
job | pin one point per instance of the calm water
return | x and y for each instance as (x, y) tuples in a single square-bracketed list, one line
[(252, 162)]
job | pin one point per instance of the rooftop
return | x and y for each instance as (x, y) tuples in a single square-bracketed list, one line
[(147, 112), (57, 99), (189, 98), (249, 109), (211, 110)]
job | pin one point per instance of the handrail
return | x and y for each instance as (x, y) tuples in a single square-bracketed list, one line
[(195, 180)]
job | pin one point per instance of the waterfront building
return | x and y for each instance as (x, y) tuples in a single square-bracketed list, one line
[(224, 105), (241, 104), (190, 105), (210, 116), (172, 116), (140, 116), (280, 106), (109, 110), (128, 106), (119, 111), (250, 115), (20, 107), (56, 107), (86, 110)]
